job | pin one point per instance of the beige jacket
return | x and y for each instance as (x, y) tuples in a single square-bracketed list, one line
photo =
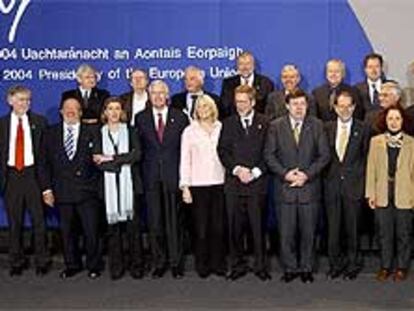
[(376, 186)]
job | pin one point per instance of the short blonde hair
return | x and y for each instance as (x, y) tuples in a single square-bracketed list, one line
[(210, 103)]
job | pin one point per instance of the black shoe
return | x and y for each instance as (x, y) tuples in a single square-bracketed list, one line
[(15, 271), (263, 275), (177, 273), (137, 274), (334, 274), (94, 274), (307, 277), (42, 271), (116, 275), (288, 277), (203, 274), (351, 275), (221, 273), (236, 274), (68, 273), (158, 273)]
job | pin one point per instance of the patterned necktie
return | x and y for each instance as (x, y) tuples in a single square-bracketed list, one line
[(70, 142), (296, 132), (160, 128), (342, 142), (19, 156), (375, 95)]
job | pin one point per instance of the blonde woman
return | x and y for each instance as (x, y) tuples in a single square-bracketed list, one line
[(389, 189), (201, 182)]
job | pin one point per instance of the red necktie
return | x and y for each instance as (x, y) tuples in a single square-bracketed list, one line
[(160, 128), (19, 159)]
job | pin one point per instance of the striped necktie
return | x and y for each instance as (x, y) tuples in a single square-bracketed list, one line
[(70, 142)]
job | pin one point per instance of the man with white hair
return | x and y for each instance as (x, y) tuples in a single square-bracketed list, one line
[(246, 75), (160, 128), (88, 94), (194, 83), (325, 95), (276, 101)]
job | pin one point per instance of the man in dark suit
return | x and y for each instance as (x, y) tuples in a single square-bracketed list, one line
[(246, 75), (160, 129), (20, 134), (344, 187), (90, 97), (240, 150), (296, 151), (69, 179), (137, 99), (276, 101), (368, 90), (325, 94), (194, 83)]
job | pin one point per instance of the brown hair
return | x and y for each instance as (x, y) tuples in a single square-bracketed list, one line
[(246, 89), (381, 120), (296, 94), (110, 100)]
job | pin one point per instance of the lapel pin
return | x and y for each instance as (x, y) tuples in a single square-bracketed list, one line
[(259, 126)]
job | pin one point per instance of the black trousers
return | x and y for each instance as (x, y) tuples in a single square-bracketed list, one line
[(394, 233), (240, 207), (343, 216), (165, 232), (22, 191), (208, 216), (297, 222), (84, 214), (116, 248)]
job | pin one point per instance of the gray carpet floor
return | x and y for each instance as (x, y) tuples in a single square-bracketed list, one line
[(192, 293)]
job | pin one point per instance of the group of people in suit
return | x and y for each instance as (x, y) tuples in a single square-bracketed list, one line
[(217, 157)]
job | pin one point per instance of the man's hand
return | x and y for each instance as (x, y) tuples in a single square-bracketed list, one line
[(49, 198), (187, 197), (244, 174), (101, 158), (372, 203)]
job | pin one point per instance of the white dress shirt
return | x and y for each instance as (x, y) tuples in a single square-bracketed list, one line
[(28, 145), (164, 114), (139, 102), (377, 84), (250, 80)]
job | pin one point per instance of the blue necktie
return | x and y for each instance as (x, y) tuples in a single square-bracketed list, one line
[(70, 142)]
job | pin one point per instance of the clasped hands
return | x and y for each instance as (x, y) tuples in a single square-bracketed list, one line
[(244, 174), (102, 158), (296, 178)]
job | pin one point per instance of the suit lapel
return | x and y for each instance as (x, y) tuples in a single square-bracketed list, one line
[(353, 138), (289, 132)]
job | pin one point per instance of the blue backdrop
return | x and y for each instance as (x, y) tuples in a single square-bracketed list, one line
[(165, 36)]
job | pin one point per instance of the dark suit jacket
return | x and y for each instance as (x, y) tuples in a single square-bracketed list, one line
[(262, 84), (311, 156), (321, 96), (71, 181), (127, 99), (179, 101), (364, 98), (38, 125), (276, 105), (237, 148), (95, 102), (347, 177), (133, 157), (161, 160)]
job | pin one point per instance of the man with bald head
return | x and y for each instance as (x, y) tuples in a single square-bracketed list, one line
[(325, 95), (246, 75), (276, 101), (194, 87)]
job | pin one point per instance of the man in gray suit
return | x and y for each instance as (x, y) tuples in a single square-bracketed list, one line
[(296, 151), (276, 101)]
